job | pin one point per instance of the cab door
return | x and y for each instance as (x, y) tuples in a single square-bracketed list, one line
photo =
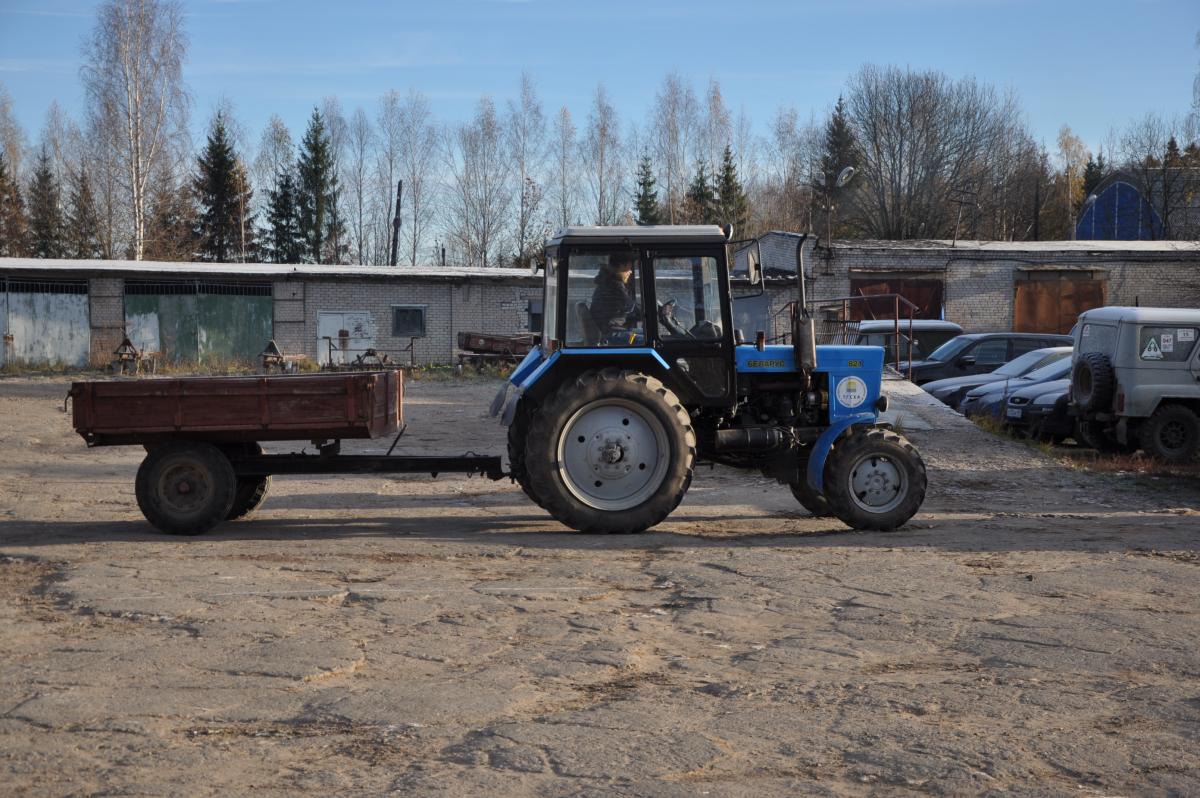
[(687, 308)]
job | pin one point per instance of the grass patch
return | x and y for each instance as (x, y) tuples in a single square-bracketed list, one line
[(1136, 463)]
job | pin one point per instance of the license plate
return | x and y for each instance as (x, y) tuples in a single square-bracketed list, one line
[(1013, 412)]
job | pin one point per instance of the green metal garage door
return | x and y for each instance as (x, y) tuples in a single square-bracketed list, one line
[(191, 321)]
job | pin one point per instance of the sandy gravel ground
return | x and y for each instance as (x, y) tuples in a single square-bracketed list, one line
[(1033, 631)]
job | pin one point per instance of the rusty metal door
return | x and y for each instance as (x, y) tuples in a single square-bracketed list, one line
[(926, 293), (1051, 302)]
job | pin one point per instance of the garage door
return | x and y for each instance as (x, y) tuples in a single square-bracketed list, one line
[(1050, 302), (925, 292), (189, 321), (45, 322)]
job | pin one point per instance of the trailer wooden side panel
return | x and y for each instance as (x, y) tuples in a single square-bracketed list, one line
[(240, 409)]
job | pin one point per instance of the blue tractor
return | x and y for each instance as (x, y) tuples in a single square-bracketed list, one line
[(640, 375)]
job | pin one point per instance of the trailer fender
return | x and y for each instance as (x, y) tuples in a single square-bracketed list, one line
[(820, 449)]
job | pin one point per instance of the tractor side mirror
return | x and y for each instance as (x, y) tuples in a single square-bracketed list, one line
[(535, 266), (754, 264)]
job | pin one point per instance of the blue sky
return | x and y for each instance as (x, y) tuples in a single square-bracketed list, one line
[(1093, 65)]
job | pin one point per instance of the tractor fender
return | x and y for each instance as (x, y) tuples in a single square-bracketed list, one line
[(820, 449)]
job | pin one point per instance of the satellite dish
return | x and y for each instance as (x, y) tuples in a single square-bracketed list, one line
[(844, 176)]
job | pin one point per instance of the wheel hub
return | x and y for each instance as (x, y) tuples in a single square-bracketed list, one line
[(1173, 435), (876, 483), (183, 487), (612, 454)]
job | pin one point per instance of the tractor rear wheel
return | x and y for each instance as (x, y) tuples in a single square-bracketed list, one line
[(518, 433), (611, 452), (185, 487), (874, 479)]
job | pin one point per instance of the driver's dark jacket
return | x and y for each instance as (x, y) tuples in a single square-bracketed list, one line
[(613, 305)]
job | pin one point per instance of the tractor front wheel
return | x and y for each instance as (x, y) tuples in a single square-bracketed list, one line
[(611, 452), (874, 479)]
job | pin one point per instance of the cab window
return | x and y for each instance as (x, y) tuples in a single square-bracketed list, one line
[(687, 293), (604, 299)]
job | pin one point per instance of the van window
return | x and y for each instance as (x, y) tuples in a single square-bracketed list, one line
[(1096, 338), (1166, 344)]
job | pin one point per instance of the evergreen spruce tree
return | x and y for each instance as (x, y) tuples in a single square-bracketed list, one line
[(1093, 173), (46, 228), (321, 225), (82, 240), (732, 205), (224, 198), (839, 150), (699, 204), (646, 208), (12, 214), (283, 242)]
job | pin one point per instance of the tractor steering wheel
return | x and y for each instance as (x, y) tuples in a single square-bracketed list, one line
[(666, 317)]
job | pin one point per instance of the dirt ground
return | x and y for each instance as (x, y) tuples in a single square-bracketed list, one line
[(1034, 631)]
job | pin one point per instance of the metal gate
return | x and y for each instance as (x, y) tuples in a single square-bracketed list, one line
[(44, 322), (1051, 301)]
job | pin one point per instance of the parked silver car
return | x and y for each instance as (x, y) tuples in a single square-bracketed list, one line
[(1135, 380)]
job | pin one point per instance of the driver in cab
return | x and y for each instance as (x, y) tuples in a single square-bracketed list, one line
[(614, 305)]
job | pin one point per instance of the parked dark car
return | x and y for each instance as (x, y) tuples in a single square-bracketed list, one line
[(927, 335), (991, 399), (979, 353), (952, 389), (1041, 411)]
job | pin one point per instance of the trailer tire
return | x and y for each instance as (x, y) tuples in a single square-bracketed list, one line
[(185, 487), (875, 479), (251, 492), (611, 452)]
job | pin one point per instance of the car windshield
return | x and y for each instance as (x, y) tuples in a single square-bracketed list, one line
[(1055, 371), (948, 350), (1030, 361)]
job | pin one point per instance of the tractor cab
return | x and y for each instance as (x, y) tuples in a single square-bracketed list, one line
[(640, 375), (657, 293)]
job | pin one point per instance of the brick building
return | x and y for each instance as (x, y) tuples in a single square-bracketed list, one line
[(75, 312), (991, 285)]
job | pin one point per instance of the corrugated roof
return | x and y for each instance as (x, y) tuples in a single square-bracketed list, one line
[(1188, 247), (273, 270)]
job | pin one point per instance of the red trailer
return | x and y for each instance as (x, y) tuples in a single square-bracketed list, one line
[(204, 464)]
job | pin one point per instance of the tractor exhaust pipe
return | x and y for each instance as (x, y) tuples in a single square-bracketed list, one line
[(804, 334)]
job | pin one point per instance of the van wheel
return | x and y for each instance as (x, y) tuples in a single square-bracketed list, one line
[(611, 452), (1171, 434), (185, 487)]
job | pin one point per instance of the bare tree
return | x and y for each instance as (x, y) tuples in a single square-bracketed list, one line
[(1149, 151), (525, 138), (360, 140), (12, 138), (418, 153), (716, 130), (134, 83), (923, 141), (674, 128), (602, 160), (564, 168), (478, 192), (275, 157), (782, 195), (390, 128)]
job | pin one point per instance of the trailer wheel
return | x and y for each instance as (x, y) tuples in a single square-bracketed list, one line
[(809, 499), (518, 432), (251, 492), (611, 452), (874, 479), (185, 488)]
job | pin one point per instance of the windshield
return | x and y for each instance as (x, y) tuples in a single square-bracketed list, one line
[(1030, 361), (1055, 371), (948, 350)]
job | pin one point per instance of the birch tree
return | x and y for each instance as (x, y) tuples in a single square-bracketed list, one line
[(418, 156), (673, 131), (360, 141), (602, 160), (133, 79), (564, 176), (525, 134), (478, 194)]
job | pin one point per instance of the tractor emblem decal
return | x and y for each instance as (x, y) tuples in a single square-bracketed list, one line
[(851, 391)]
